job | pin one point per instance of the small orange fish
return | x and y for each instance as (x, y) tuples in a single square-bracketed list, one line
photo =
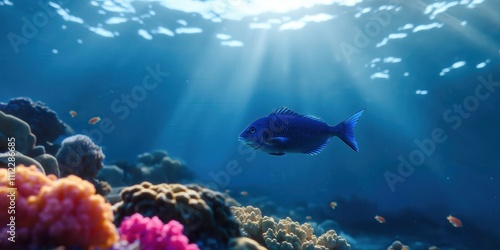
[(94, 120), (308, 217), (244, 193), (333, 205), (380, 219), (454, 221), (72, 113)]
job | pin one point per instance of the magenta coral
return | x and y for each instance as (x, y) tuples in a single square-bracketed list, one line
[(153, 234)]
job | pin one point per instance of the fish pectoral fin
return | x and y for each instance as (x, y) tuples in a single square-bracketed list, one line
[(277, 153), (275, 140)]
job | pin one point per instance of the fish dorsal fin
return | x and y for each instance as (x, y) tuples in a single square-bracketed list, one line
[(284, 111), (314, 118), (287, 111)]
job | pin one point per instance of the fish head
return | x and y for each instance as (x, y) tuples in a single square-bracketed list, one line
[(255, 133)]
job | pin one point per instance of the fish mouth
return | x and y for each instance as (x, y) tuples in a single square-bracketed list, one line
[(249, 143)]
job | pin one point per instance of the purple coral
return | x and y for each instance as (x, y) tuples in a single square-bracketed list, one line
[(152, 234), (78, 155)]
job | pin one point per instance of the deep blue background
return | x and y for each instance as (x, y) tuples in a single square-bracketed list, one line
[(213, 91)]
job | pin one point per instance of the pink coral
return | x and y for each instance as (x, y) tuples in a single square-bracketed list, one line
[(58, 212), (153, 234)]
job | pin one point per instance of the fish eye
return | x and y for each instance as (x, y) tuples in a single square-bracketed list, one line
[(252, 130)]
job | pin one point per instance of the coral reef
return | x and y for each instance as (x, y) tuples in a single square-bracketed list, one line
[(26, 151), (153, 234), (113, 175), (11, 126), (79, 156), (20, 159), (105, 187), (158, 167), (207, 220), (56, 212), (397, 245), (244, 243), (155, 167), (43, 121), (286, 234), (49, 164)]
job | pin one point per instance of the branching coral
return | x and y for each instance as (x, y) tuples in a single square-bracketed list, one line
[(286, 234), (153, 234), (56, 212), (203, 212)]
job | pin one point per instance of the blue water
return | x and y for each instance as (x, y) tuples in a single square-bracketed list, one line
[(222, 64)]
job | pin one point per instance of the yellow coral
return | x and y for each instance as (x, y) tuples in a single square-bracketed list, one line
[(250, 220), (60, 212)]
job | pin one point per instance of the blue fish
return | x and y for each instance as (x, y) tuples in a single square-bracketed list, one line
[(285, 131)]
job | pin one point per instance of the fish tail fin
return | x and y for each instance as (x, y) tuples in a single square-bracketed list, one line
[(345, 130)]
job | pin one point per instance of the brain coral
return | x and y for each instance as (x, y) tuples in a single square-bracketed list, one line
[(286, 234), (207, 220), (56, 212), (78, 155), (43, 121), (153, 234)]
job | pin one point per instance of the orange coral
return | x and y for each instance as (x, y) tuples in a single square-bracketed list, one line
[(58, 212)]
